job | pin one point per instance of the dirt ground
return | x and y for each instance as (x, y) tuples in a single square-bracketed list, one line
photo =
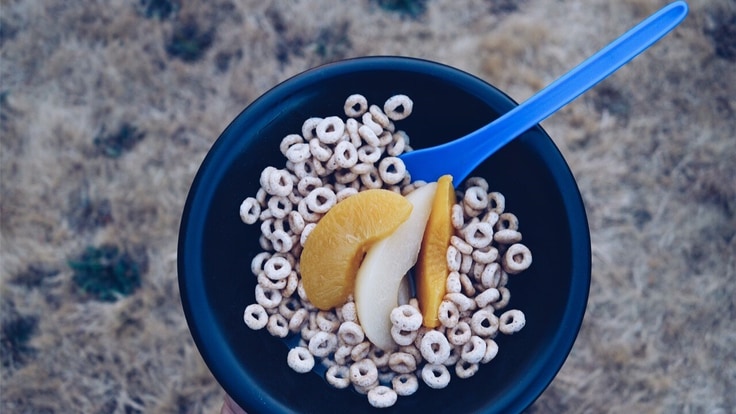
[(107, 109)]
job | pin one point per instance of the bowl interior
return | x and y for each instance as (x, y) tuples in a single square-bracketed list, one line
[(215, 247)]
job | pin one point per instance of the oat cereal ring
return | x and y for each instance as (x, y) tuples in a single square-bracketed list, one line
[(264, 242), (473, 350), (461, 245), (477, 182), (323, 344), (267, 283), (298, 153), (255, 316), (406, 317), (352, 125), (370, 122), (268, 298), (398, 107), (250, 210), (372, 179), (460, 334), (281, 241), (304, 169), (392, 170), (264, 178), (402, 337), (491, 275), (457, 217), (491, 217), (436, 375), (338, 376), (330, 130), (435, 348), (405, 384), (360, 351), (478, 234), (320, 200), (300, 360), (350, 333), (511, 321), (517, 258), (369, 135), (309, 127), (454, 259), (279, 183), (491, 351), (465, 369), (484, 323), (507, 236), (364, 390), (462, 302), (496, 202), (327, 321), (308, 215), (379, 357), (382, 396), (296, 222), (305, 233), (448, 314), (402, 363), (349, 313), (345, 155), (476, 198), (452, 284), (467, 284), (487, 297), (297, 320), (278, 326), (369, 154), (280, 207), (256, 265), (288, 141), (319, 150), (277, 267), (363, 373), (342, 354), (507, 221), (355, 105), (486, 255), (505, 298), (345, 193), (378, 116), (384, 139), (397, 145), (261, 195), (307, 184)]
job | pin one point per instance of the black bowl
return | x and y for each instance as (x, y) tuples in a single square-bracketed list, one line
[(215, 247)]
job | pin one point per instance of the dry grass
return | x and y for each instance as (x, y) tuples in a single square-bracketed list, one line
[(106, 111)]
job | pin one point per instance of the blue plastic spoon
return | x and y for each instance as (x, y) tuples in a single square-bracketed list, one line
[(460, 157)]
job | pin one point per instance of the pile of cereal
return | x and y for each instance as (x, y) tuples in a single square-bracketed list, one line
[(329, 161)]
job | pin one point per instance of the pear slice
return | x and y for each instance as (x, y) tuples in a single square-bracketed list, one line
[(380, 275)]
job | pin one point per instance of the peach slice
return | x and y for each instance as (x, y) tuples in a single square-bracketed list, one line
[(334, 250), (431, 269), (379, 282)]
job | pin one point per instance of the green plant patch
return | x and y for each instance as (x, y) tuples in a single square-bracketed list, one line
[(115, 144), (189, 42), (106, 273), (410, 8), (15, 335)]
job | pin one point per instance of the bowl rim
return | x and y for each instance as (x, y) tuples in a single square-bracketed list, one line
[(201, 323)]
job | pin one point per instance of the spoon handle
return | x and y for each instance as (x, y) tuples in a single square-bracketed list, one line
[(472, 149)]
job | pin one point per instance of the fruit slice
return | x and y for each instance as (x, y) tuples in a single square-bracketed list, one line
[(333, 251), (432, 271), (380, 276)]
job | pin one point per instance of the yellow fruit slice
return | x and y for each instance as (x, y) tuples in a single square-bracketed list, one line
[(431, 268), (335, 248)]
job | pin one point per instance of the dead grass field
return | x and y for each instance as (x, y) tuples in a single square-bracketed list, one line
[(108, 107)]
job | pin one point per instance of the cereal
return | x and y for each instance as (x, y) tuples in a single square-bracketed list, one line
[(255, 316), (300, 360), (436, 375), (382, 396), (329, 160)]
